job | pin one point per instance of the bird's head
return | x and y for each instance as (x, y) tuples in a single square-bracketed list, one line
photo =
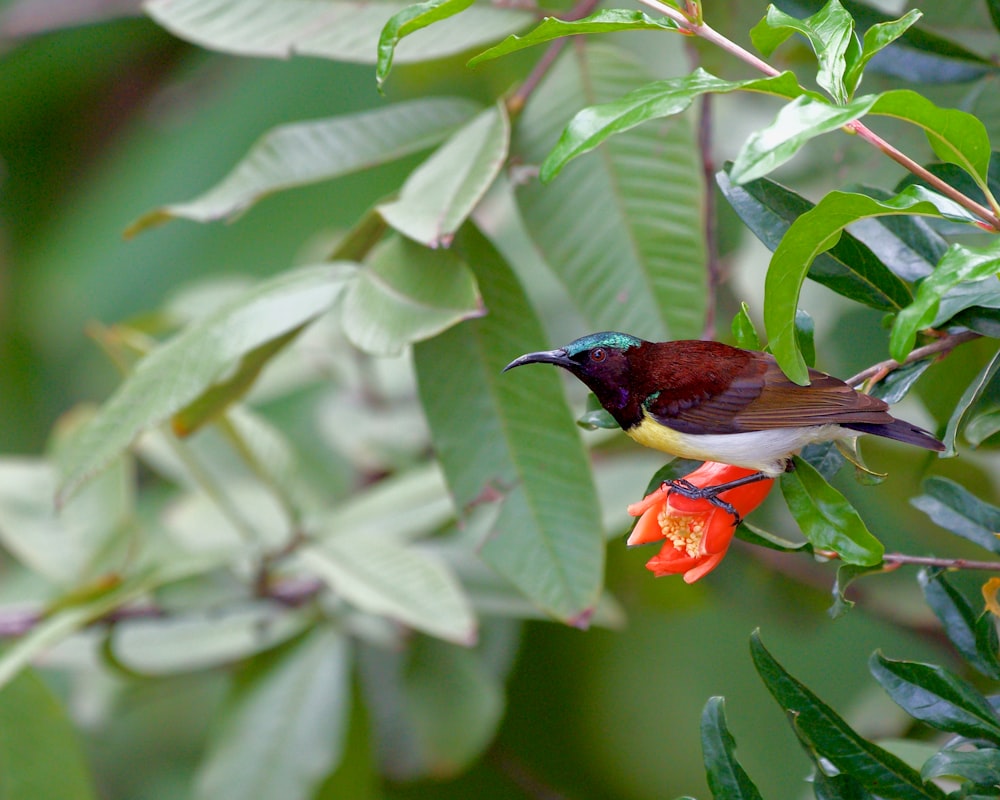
[(600, 360)]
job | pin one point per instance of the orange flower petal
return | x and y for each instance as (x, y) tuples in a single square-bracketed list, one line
[(654, 498), (647, 529), (706, 566)]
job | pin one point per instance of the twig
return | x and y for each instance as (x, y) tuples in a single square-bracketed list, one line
[(704, 31), (517, 99), (941, 346), (899, 559), (291, 592), (713, 267)]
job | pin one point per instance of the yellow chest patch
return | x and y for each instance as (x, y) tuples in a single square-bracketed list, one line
[(766, 450)]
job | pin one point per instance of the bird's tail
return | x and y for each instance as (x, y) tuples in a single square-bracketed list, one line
[(900, 430)]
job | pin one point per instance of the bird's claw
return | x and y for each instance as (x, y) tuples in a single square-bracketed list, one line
[(710, 493)]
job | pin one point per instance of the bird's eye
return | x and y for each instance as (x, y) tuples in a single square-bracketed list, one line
[(598, 354)]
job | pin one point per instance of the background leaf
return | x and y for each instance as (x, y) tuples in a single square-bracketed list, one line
[(726, 776), (956, 509), (177, 372), (409, 20), (338, 30), (976, 641), (826, 518), (40, 756), (307, 152), (282, 726), (407, 293), (442, 192), (624, 269), (512, 436)]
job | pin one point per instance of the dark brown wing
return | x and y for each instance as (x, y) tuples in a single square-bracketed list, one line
[(709, 388)]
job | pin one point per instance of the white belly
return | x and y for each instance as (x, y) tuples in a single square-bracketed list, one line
[(766, 451)]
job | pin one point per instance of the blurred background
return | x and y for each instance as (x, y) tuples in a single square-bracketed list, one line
[(107, 116)]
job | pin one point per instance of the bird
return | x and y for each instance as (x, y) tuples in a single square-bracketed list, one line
[(711, 401)]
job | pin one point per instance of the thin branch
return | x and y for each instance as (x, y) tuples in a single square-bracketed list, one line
[(947, 563), (291, 592), (704, 31), (713, 266), (520, 96), (941, 346)]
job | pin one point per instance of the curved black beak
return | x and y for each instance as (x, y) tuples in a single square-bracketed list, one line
[(557, 357)]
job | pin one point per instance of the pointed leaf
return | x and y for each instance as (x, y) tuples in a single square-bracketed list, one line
[(593, 125), (603, 21), (846, 575), (513, 435), (937, 697), (977, 642), (981, 385), (959, 264), (308, 152), (815, 232), (281, 730), (877, 38), (978, 766), (850, 267), (830, 32), (69, 546), (797, 123), (409, 20), (405, 294), (897, 384), (726, 777), (956, 509), (403, 583), (202, 640), (344, 31), (456, 726), (826, 518), (177, 372), (875, 768), (442, 192), (744, 331), (956, 136), (624, 268), (40, 754)]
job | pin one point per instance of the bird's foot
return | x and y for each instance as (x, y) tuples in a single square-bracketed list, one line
[(711, 493)]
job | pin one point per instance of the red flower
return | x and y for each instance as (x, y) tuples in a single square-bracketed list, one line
[(697, 533)]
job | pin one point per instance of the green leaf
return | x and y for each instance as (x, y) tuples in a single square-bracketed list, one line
[(456, 726), (201, 640), (743, 329), (959, 264), (804, 333), (977, 642), (876, 769), (751, 534), (179, 371), (308, 152), (830, 32), (73, 545), (596, 417), (603, 21), (726, 777), (877, 38), (409, 20), (980, 386), (591, 126), (825, 457), (813, 233), (897, 384), (281, 730), (978, 766), (407, 293), (956, 509), (846, 575), (826, 518), (956, 136), (623, 268), (512, 435), (442, 192), (343, 31), (390, 579), (839, 786), (798, 122), (850, 268), (938, 697), (75, 613), (40, 753)]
